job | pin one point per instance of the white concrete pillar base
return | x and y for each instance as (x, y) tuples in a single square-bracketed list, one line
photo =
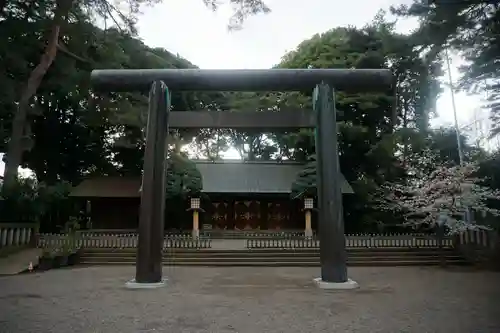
[(135, 285), (349, 284)]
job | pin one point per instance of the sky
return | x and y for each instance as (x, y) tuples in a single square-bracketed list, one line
[(199, 35)]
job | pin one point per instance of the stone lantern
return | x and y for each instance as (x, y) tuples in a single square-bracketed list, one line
[(308, 207), (195, 207)]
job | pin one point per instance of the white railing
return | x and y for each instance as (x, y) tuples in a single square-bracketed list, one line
[(88, 240), (397, 240), (16, 234), (358, 241), (122, 240), (117, 240)]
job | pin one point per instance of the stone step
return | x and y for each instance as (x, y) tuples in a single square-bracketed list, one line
[(286, 264), (374, 251), (422, 256), (284, 254), (277, 257), (270, 259)]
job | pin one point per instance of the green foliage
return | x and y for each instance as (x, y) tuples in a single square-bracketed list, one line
[(183, 177), (443, 141), (64, 116), (75, 133), (373, 134), (29, 200), (305, 183), (369, 129), (489, 170), (368, 117), (67, 120), (471, 28), (242, 9)]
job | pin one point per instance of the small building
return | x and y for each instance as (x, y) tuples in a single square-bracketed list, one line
[(238, 195)]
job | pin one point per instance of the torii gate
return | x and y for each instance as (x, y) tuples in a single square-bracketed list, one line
[(323, 82)]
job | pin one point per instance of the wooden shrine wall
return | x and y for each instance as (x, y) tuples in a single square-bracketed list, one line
[(253, 213)]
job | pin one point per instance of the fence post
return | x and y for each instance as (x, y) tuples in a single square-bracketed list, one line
[(35, 235)]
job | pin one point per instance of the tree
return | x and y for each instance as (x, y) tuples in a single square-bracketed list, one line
[(54, 16), (373, 135), (371, 115), (107, 129), (443, 141), (61, 10), (305, 184), (371, 130), (489, 170), (209, 144), (471, 28), (242, 9), (252, 144), (33, 201), (73, 134), (183, 177), (438, 193)]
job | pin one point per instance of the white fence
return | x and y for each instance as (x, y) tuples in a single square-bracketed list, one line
[(120, 240), (116, 240), (16, 234), (357, 241)]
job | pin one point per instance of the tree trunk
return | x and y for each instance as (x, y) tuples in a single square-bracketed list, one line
[(15, 147), (177, 143), (405, 126), (251, 148), (217, 150)]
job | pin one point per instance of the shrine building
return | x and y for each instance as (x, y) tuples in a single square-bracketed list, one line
[(236, 195)]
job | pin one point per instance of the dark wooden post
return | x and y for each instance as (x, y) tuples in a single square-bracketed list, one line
[(331, 222), (152, 211)]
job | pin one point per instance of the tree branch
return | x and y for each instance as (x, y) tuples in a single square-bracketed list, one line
[(61, 47), (15, 146)]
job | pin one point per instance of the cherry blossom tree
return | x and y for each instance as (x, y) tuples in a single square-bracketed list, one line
[(437, 194)]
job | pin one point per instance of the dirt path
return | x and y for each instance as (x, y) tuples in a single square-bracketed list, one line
[(249, 300), (17, 262)]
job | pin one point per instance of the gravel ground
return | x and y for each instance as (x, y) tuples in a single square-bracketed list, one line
[(392, 300)]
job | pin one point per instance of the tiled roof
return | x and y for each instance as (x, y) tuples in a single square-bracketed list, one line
[(227, 176), (236, 176), (247, 177)]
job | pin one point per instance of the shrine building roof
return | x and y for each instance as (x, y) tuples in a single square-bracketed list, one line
[(225, 176)]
